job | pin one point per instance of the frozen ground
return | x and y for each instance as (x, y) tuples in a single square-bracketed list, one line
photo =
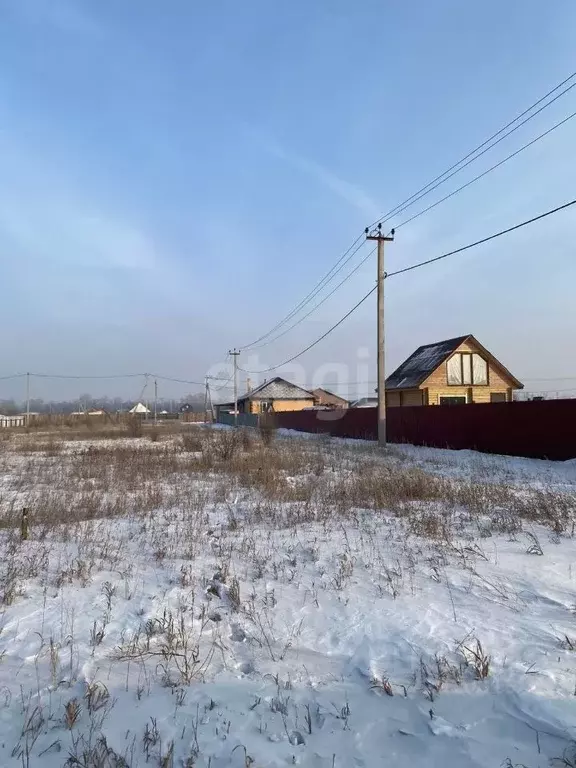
[(205, 601)]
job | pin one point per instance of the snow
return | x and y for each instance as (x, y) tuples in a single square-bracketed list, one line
[(340, 642)]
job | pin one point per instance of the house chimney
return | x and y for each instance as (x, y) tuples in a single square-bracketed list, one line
[(248, 384)]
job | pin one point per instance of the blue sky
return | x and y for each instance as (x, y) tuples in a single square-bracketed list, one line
[(176, 176)]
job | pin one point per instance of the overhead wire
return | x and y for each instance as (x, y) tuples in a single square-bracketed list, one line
[(328, 277), (316, 306), (416, 266), (328, 332), (479, 242), (475, 154), (487, 171), (72, 376), (411, 218), (469, 158)]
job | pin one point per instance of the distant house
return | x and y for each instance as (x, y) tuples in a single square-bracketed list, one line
[(12, 421), (139, 409), (451, 372), (325, 397), (274, 395), (365, 402)]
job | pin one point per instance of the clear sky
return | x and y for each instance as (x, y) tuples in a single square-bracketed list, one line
[(176, 176)]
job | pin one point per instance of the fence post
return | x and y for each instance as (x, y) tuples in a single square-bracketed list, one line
[(24, 525)]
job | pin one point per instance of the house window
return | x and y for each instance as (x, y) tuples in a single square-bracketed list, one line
[(497, 397), (452, 401), (266, 406), (465, 369)]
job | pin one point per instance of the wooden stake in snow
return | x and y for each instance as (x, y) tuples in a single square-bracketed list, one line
[(24, 525)]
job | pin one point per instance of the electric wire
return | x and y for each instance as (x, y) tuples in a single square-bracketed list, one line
[(431, 186), (417, 266)]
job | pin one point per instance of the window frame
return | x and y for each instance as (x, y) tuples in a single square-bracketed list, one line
[(455, 400), (471, 369)]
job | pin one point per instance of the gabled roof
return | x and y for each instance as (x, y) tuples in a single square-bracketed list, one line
[(277, 389), (426, 359), (320, 392), (139, 408)]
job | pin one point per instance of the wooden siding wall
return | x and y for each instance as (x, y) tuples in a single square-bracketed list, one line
[(437, 383)]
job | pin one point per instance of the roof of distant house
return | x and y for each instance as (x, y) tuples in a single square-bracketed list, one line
[(324, 394), (139, 408), (426, 359), (365, 402), (278, 389)]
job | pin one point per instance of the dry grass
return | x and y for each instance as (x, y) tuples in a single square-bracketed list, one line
[(64, 479), (158, 491)]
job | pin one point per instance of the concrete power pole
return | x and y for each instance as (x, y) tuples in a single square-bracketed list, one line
[(235, 353), (376, 234), (155, 402), (27, 400), (210, 406), (206, 397)]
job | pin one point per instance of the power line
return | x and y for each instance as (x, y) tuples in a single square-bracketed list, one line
[(226, 385), (426, 189), (475, 154), (316, 306), (489, 170), (178, 381), (62, 376), (329, 331), (328, 277), (66, 376), (416, 266), (483, 240)]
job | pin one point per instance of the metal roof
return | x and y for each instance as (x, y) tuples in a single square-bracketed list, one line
[(422, 363), (278, 389)]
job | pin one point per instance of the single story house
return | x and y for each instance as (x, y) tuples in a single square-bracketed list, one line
[(325, 397), (272, 396), (365, 402), (451, 372)]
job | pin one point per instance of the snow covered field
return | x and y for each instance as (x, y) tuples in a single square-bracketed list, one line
[(222, 600)]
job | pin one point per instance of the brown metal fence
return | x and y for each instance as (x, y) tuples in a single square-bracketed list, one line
[(539, 429)]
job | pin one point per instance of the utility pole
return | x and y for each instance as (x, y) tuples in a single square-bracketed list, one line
[(27, 400), (376, 234), (210, 406), (206, 393), (235, 353), (155, 402)]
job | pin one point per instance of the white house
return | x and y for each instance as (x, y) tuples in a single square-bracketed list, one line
[(139, 408)]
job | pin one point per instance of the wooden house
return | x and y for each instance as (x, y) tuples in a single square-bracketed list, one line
[(451, 372), (325, 397), (274, 396)]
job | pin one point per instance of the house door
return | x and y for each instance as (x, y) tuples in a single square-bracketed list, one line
[(453, 401)]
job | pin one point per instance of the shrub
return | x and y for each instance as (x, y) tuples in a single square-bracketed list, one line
[(134, 426), (267, 429), (191, 443)]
